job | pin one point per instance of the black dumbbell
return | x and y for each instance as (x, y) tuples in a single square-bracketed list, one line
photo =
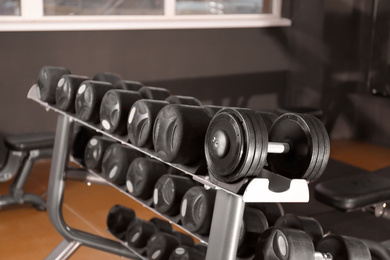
[(47, 81), (317, 112), (116, 160), (212, 110), (253, 225), (187, 253), (142, 175), (307, 224), (161, 245), (94, 152), (141, 119), (128, 85), (238, 145), (108, 77), (154, 93), (66, 91), (118, 220), (197, 209), (80, 139), (114, 109), (179, 132), (168, 193), (288, 244), (184, 100), (88, 98)]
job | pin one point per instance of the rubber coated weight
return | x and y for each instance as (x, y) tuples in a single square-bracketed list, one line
[(128, 85), (141, 119), (139, 232), (301, 110), (116, 160), (108, 77), (268, 118), (168, 193), (47, 81), (142, 176), (179, 133), (254, 223), (88, 99), (309, 225), (94, 152), (272, 211), (66, 92), (81, 137), (114, 109), (184, 100), (187, 253), (118, 220), (162, 225), (154, 93), (161, 245), (197, 209), (212, 110), (302, 137), (344, 248), (184, 239)]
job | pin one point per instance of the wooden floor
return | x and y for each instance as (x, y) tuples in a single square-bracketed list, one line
[(26, 233)]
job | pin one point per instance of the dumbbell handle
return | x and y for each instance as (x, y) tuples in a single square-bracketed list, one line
[(275, 147), (322, 256)]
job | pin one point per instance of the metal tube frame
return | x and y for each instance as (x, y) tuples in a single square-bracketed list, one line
[(56, 191)]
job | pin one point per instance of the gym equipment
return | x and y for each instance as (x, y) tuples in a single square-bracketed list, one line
[(142, 175), (212, 110), (160, 246), (139, 232), (119, 218), (162, 225), (187, 253), (300, 110), (141, 119), (168, 193), (184, 239), (289, 244), (114, 109), (179, 133), (108, 77), (18, 154), (66, 92), (307, 224), (197, 209), (88, 99), (48, 78), (128, 85), (254, 224), (116, 161), (272, 211), (184, 100), (94, 152), (82, 135), (237, 145), (154, 93)]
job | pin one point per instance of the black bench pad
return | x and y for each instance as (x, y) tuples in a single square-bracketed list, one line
[(31, 141)]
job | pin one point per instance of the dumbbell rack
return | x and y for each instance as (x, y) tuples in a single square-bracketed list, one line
[(228, 210)]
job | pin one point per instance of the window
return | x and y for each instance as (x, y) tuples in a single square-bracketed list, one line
[(29, 15)]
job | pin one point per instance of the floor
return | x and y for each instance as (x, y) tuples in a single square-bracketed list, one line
[(28, 234)]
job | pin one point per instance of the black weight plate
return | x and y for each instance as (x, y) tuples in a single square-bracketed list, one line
[(300, 135)]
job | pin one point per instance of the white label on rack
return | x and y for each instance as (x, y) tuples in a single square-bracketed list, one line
[(155, 196), (82, 89), (156, 254), (93, 142), (131, 115), (135, 237), (184, 207), (180, 251), (113, 172), (61, 82), (106, 124), (130, 187)]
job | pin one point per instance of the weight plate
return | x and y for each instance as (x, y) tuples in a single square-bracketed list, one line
[(300, 134)]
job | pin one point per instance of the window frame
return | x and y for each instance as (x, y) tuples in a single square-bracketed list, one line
[(32, 18)]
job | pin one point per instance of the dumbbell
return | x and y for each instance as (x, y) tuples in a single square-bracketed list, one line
[(168, 193), (47, 81), (141, 119), (272, 211), (128, 85), (88, 98), (290, 244), (114, 109), (317, 112), (161, 244), (184, 100), (142, 175), (179, 133), (118, 220), (81, 136), (108, 77), (307, 224), (154, 93), (238, 144), (253, 225), (66, 91), (94, 152), (197, 209), (116, 161), (187, 253), (212, 110)]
